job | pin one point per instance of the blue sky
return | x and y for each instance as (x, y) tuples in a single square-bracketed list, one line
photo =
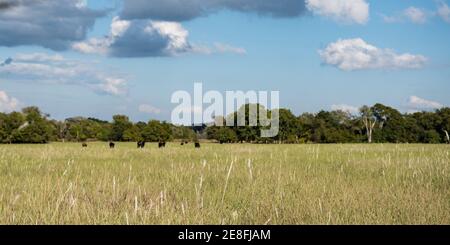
[(319, 54)]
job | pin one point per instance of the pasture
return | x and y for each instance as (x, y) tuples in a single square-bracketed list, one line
[(63, 183)]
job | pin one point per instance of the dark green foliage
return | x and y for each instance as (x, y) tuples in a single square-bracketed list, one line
[(222, 134), (390, 126), (30, 126), (431, 136), (157, 131), (120, 125)]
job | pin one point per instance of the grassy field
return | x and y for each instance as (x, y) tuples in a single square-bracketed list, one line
[(225, 184)]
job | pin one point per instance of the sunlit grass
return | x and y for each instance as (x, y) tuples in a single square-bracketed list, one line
[(225, 184)]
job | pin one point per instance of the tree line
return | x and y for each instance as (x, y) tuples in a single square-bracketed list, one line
[(375, 124), (32, 126)]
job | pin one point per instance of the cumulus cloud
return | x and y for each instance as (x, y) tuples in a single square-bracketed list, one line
[(139, 38), (7, 103), (50, 24), (345, 108), (346, 11), (182, 10), (145, 38), (444, 11), (356, 54), (149, 109), (55, 69), (416, 103)]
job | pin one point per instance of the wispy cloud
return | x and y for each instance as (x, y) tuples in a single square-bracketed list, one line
[(55, 69), (149, 109), (416, 103), (416, 15), (345, 108), (218, 48), (8, 103), (410, 14), (444, 11)]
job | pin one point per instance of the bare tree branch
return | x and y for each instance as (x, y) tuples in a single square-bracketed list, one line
[(447, 136)]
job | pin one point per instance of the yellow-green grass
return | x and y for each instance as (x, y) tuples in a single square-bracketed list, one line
[(224, 184)]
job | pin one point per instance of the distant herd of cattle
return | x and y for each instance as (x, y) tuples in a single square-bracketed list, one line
[(141, 144)]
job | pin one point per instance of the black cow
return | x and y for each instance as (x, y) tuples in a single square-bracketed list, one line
[(162, 144), (197, 145), (141, 144), (182, 143), (112, 145), (84, 145)]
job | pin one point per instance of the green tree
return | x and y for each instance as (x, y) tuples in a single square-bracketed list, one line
[(36, 129), (225, 135), (120, 125), (431, 137), (156, 131), (132, 134), (289, 127)]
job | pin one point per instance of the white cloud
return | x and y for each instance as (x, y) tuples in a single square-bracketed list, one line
[(38, 57), (226, 48), (142, 38), (145, 108), (418, 15), (444, 11), (415, 15), (138, 38), (119, 27), (55, 69), (174, 32), (345, 108), (416, 103), (390, 19), (347, 11), (111, 85), (7, 103), (218, 48), (93, 46), (356, 54)]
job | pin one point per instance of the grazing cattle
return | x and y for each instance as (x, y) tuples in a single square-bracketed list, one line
[(162, 144), (84, 145), (197, 145), (141, 144), (182, 143), (112, 145)]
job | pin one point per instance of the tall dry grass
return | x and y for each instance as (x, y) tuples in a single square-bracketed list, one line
[(225, 184)]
